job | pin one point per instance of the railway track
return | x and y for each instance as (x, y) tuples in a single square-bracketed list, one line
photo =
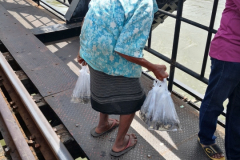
[(29, 127)]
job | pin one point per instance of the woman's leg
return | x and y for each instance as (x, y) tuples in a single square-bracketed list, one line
[(104, 123), (223, 80), (232, 137), (122, 139)]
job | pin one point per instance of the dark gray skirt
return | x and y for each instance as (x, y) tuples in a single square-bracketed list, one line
[(115, 94)]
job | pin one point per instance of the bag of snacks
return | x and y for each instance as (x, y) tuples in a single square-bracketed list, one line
[(81, 92), (158, 110)]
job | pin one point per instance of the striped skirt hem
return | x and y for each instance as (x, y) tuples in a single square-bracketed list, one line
[(115, 94)]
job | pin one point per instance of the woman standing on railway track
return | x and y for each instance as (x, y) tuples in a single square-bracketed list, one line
[(112, 39)]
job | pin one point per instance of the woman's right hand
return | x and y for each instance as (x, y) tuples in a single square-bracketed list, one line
[(160, 71), (81, 60)]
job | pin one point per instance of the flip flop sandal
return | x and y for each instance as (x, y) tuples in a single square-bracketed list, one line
[(95, 134), (125, 150), (133, 135), (212, 150)]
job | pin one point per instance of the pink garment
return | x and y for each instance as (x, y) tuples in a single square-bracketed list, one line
[(226, 44)]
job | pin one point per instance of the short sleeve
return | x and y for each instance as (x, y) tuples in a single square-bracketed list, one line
[(135, 31), (155, 6)]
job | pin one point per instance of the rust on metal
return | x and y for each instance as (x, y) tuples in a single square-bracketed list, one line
[(21, 75), (45, 149), (64, 135), (7, 138), (39, 100), (8, 56), (18, 139)]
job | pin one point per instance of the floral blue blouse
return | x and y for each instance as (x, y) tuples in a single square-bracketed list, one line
[(116, 25)]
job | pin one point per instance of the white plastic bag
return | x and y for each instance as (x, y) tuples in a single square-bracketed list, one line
[(158, 110), (81, 92)]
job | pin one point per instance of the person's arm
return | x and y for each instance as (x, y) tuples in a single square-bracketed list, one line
[(79, 59), (158, 70), (133, 37)]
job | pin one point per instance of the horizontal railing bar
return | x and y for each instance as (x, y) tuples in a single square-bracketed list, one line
[(188, 90), (63, 3), (192, 73), (188, 21), (52, 8), (219, 121), (54, 13), (198, 25), (180, 85), (157, 54), (195, 24), (167, 13), (183, 87), (178, 65)]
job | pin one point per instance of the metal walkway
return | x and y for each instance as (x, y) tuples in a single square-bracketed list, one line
[(51, 67)]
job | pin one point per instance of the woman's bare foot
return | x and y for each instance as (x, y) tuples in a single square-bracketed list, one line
[(121, 145), (104, 127)]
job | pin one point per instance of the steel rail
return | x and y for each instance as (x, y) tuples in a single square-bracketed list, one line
[(54, 142), (13, 129)]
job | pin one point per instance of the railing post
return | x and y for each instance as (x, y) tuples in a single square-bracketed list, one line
[(150, 39), (210, 31), (175, 44)]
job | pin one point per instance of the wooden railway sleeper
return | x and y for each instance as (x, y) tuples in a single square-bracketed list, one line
[(8, 149)]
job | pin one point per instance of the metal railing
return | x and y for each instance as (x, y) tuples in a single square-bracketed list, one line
[(173, 61)]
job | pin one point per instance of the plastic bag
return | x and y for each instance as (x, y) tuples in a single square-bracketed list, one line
[(81, 92), (158, 110)]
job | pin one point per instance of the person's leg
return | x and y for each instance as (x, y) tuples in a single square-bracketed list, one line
[(122, 137), (104, 123), (232, 139), (222, 82)]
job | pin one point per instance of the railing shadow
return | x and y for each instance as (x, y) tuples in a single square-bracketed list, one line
[(28, 14)]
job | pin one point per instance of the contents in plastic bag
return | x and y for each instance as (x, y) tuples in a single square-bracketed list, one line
[(81, 92), (158, 110)]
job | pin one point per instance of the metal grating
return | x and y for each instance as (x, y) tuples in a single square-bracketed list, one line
[(79, 119), (54, 80), (47, 72)]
